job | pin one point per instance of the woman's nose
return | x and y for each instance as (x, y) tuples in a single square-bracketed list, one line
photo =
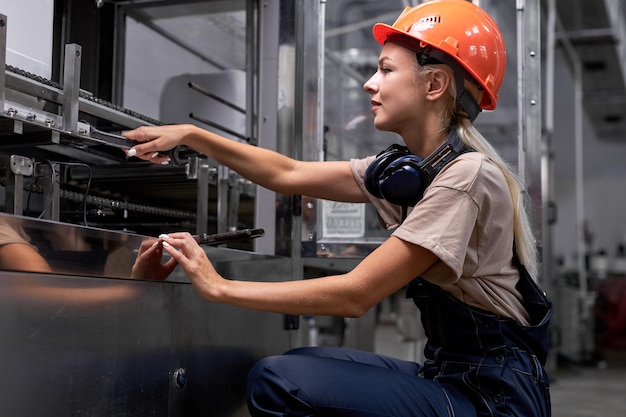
[(370, 85)]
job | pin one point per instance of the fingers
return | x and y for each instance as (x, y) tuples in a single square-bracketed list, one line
[(147, 154), (182, 247), (180, 240), (142, 134), (152, 156), (151, 143), (148, 245)]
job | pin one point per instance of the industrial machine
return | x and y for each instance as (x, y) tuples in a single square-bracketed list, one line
[(86, 337)]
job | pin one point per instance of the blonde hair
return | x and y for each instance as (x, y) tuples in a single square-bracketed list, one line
[(524, 238)]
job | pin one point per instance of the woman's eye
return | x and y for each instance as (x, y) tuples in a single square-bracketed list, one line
[(384, 70)]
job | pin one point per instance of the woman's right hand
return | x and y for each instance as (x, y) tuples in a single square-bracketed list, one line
[(154, 140)]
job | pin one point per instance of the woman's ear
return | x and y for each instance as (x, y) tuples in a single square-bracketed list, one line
[(438, 83)]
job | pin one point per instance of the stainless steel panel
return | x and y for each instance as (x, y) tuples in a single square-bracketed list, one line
[(75, 346), (79, 346), (216, 345)]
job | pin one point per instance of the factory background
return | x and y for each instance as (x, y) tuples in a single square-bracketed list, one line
[(286, 75)]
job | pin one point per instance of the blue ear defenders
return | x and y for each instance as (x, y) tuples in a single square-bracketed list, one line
[(401, 178)]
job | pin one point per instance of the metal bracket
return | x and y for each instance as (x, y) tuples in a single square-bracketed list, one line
[(21, 165), (3, 57), (14, 196), (71, 87)]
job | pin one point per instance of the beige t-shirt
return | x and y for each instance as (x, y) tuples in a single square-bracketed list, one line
[(10, 234), (466, 219)]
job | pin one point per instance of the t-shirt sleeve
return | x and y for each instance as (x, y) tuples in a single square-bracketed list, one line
[(9, 234), (389, 215)]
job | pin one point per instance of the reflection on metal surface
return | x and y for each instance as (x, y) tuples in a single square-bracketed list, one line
[(75, 250), (91, 297), (85, 251)]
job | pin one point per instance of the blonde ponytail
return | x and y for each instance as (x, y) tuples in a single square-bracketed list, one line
[(524, 238)]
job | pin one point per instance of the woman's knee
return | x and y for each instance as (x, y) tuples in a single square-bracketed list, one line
[(261, 390), (258, 372), (271, 371), (271, 387)]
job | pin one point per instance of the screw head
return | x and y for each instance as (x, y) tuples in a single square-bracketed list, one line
[(180, 378)]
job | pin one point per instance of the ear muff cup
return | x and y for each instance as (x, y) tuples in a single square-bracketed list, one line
[(403, 183), (375, 170), (395, 175)]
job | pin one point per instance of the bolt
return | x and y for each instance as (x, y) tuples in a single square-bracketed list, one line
[(180, 377)]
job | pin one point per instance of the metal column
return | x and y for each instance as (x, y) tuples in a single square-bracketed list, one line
[(3, 56), (529, 108)]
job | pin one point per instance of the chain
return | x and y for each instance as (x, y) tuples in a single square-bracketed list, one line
[(82, 95)]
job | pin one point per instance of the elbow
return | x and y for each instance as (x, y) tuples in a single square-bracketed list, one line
[(355, 313), (355, 309)]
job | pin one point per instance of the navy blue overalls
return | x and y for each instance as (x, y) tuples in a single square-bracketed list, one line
[(477, 364)]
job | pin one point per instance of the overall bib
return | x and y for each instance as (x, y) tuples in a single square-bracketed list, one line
[(493, 360), (477, 364)]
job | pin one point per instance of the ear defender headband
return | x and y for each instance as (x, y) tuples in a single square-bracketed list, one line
[(401, 178)]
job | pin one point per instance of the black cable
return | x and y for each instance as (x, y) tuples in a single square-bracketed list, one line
[(30, 193), (80, 164), (52, 176), (52, 182)]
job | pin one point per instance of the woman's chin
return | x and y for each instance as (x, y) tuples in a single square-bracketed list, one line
[(381, 125)]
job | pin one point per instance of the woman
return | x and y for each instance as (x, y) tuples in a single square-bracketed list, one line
[(460, 227)]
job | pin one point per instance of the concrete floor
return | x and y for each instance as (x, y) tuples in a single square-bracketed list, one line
[(589, 392)]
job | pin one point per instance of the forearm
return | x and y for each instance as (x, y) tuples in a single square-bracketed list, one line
[(262, 166), (270, 169), (319, 296), (390, 267), (277, 172)]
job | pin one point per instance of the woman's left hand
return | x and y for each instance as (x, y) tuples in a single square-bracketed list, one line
[(184, 249), (148, 264)]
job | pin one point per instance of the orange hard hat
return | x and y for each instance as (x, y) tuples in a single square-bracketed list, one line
[(458, 29)]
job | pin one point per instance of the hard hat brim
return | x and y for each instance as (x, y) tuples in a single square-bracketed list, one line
[(383, 32)]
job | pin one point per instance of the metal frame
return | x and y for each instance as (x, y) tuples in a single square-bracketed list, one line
[(136, 346), (530, 110), (574, 319)]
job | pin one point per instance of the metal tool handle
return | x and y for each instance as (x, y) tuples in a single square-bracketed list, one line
[(219, 238)]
